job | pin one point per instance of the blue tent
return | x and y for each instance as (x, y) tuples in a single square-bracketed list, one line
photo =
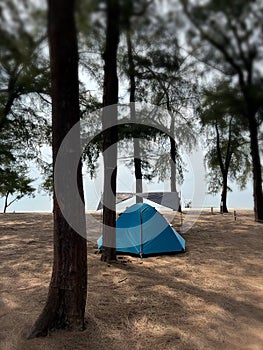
[(141, 230)]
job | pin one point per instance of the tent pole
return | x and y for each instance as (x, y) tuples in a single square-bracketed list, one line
[(141, 234), (141, 242)]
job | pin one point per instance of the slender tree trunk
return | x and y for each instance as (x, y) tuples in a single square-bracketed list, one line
[(257, 169), (138, 170), (254, 151), (173, 153), (224, 195), (173, 165), (6, 202), (66, 301), (172, 158), (110, 133), (224, 166), (136, 142), (137, 162)]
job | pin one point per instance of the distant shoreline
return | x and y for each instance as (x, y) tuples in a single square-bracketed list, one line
[(215, 209)]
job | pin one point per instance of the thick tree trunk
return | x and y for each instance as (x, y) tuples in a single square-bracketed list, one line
[(256, 168), (66, 301), (110, 133)]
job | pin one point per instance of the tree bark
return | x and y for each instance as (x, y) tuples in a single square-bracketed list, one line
[(253, 127), (256, 169), (110, 131), (66, 301), (6, 203), (136, 142), (173, 153), (224, 166), (223, 205), (172, 157)]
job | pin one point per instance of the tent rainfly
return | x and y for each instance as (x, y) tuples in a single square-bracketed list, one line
[(166, 199), (141, 230)]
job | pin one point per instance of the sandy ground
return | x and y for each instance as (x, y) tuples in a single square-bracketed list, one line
[(211, 297)]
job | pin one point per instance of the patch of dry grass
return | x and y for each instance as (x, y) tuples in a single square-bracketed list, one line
[(211, 297)]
